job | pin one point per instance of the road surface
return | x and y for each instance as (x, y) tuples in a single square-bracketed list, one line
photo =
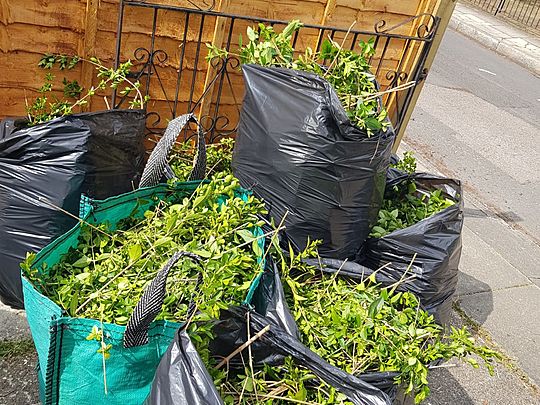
[(478, 119)]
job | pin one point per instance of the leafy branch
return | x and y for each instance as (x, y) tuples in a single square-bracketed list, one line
[(348, 73), (45, 108)]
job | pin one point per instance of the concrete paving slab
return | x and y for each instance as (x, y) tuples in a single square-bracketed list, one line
[(514, 247), (18, 380), (484, 268), (464, 385), (14, 325), (512, 319)]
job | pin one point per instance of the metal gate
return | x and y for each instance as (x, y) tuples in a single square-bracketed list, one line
[(212, 89)]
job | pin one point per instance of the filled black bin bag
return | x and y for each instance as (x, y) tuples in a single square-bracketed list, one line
[(297, 149), (181, 377), (97, 154), (435, 240), (269, 300)]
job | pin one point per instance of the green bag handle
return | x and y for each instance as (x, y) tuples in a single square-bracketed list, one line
[(149, 306), (158, 167)]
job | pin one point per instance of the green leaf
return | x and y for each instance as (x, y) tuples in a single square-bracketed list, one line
[(246, 235), (257, 248), (203, 253), (82, 262), (134, 252), (252, 35)]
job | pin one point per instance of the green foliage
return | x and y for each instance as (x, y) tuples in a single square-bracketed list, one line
[(404, 205), (348, 71), (361, 327), (407, 164), (71, 89), (218, 158), (110, 270), (48, 106), (281, 385), (63, 61)]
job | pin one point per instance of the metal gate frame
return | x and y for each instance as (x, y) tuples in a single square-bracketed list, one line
[(215, 124)]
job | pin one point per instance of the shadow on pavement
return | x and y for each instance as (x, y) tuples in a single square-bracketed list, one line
[(445, 390), (470, 286)]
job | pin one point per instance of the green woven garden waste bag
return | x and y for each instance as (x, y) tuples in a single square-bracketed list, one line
[(69, 366), (71, 371)]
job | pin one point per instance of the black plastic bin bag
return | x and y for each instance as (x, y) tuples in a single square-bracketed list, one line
[(297, 149), (269, 301), (182, 378), (435, 240), (51, 165)]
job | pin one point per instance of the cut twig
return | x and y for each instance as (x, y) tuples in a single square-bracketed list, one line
[(63, 211), (243, 346), (340, 48), (401, 87)]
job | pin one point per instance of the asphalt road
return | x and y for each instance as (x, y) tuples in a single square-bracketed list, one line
[(478, 119)]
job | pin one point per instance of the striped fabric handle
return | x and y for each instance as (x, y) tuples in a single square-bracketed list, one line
[(151, 302), (158, 167)]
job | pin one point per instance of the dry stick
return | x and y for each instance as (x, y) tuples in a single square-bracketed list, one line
[(376, 271), (251, 357), (107, 103), (340, 48), (257, 238), (243, 346), (401, 87), (447, 365), (402, 279), (103, 346), (82, 221), (280, 226)]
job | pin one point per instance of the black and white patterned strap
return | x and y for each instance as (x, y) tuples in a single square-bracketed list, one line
[(199, 164), (158, 167), (149, 306)]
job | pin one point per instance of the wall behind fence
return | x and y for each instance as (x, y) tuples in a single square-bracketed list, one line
[(30, 28)]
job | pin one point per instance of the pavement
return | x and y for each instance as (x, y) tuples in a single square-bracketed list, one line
[(477, 120), (522, 47)]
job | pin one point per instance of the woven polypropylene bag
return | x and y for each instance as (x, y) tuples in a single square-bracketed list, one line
[(70, 369)]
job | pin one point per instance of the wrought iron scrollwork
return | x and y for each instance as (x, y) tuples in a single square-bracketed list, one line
[(396, 78), (153, 119), (216, 127), (424, 30), (208, 102)]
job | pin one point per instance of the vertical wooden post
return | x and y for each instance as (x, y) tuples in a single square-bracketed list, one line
[(328, 10), (444, 11), (89, 44), (217, 40)]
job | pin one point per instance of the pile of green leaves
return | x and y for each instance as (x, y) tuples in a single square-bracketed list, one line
[(361, 327), (48, 106), (347, 71), (277, 385), (104, 276), (404, 205), (218, 158)]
